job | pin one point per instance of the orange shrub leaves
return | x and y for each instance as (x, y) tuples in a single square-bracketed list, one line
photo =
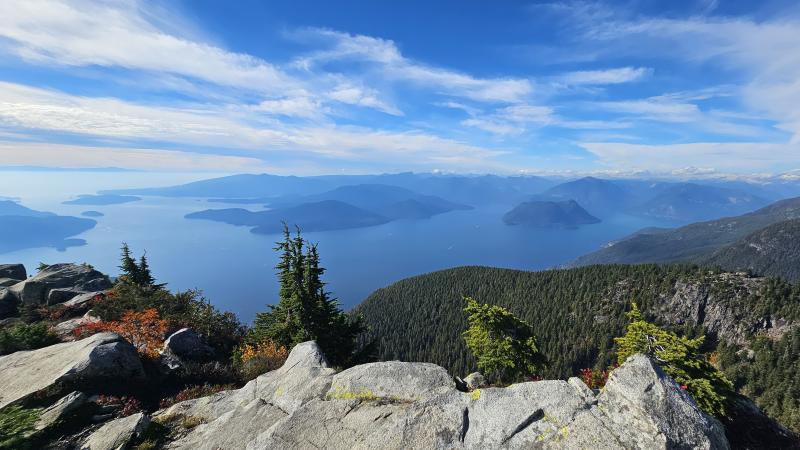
[(145, 330), (260, 358)]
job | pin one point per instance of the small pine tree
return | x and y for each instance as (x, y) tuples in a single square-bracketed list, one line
[(680, 358), (128, 265), (144, 278), (504, 345), (137, 274), (305, 311)]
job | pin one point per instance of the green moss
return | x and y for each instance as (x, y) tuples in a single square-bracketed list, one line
[(17, 426), (475, 395), (340, 393)]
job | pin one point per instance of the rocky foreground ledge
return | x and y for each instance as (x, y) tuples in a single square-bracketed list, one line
[(396, 405), (306, 404)]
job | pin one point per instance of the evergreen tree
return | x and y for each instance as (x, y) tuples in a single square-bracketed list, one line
[(680, 358), (504, 346), (144, 277), (137, 274), (128, 265), (305, 311)]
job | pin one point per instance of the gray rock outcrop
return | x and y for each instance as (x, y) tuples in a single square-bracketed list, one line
[(474, 381), (395, 405), (101, 358), (9, 303), (7, 282), (61, 410), (61, 295), (83, 302), (75, 277), (185, 344), (116, 435), (13, 271), (64, 330)]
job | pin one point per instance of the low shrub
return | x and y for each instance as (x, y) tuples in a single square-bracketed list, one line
[(254, 360), (145, 330), (126, 406), (24, 336), (193, 392), (595, 378)]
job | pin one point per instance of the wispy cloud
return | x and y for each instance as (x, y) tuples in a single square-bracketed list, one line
[(342, 99), (385, 57), (608, 76), (88, 33), (75, 156), (225, 127)]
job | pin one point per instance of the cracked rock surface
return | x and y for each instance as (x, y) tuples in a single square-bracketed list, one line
[(397, 405)]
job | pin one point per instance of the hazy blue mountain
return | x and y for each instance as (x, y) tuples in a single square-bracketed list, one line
[(22, 227), (692, 241), (471, 190), (238, 186), (695, 202), (318, 216), (92, 214), (241, 201), (392, 202), (102, 199), (773, 250), (12, 208), (566, 214), (601, 198)]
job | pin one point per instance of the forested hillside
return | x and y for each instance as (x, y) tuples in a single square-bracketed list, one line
[(772, 251), (576, 313), (697, 240)]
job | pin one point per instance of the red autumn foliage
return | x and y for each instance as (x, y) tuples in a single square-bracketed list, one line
[(595, 378), (145, 330), (126, 406), (193, 392)]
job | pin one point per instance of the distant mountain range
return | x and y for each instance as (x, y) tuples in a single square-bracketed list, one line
[(723, 241), (599, 197), (343, 207), (102, 199), (773, 250), (566, 214), (22, 227), (663, 200), (690, 201), (672, 202), (470, 190)]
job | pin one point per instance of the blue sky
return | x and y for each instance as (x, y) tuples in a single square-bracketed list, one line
[(674, 88)]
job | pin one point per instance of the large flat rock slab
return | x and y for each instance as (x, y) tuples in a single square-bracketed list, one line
[(99, 358)]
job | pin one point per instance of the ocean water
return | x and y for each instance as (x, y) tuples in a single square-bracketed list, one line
[(235, 268)]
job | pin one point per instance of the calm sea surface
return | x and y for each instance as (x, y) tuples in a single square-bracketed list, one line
[(234, 268)]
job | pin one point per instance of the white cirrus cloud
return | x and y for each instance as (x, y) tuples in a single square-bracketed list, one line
[(607, 76), (119, 34), (388, 60), (77, 156), (225, 127)]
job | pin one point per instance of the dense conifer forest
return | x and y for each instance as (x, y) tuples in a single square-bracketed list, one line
[(576, 313)]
